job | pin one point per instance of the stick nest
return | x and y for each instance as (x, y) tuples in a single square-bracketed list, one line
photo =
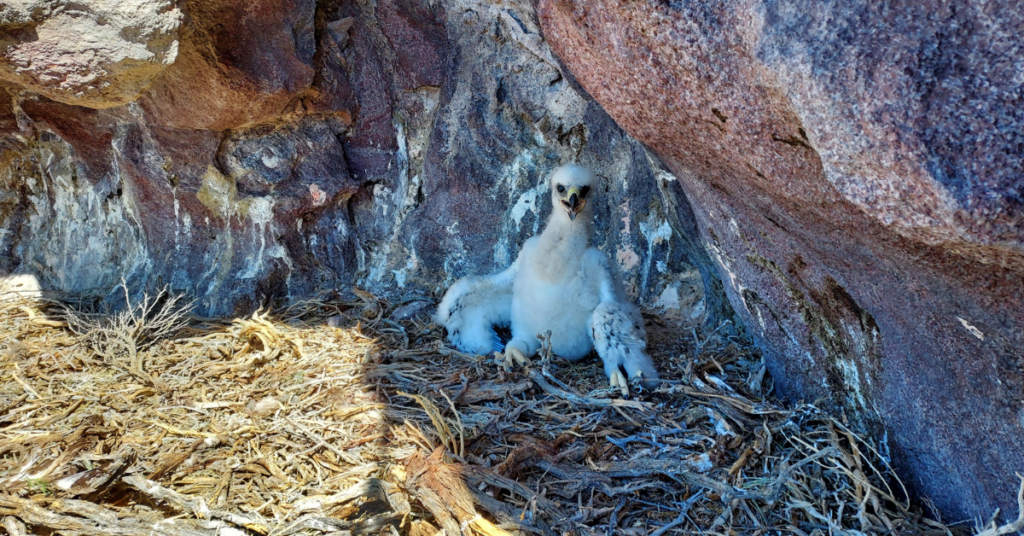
[(332, 417)]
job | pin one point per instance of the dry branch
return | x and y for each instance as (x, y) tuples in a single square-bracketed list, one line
[(123, 336), (197, 507), (74, 517), (581, 400)]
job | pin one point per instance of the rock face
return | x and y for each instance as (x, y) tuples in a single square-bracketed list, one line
[(856, 170), (241, 62), (298, 147), (94, 53)]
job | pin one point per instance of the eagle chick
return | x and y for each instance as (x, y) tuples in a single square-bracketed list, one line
[(558, 283)]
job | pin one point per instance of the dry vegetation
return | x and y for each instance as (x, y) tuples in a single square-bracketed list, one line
[(330, 417)]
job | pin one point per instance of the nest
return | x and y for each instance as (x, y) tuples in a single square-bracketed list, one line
[(334, 417)]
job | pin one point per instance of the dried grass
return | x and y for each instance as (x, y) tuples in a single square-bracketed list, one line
[(134, 328), (276, 424)]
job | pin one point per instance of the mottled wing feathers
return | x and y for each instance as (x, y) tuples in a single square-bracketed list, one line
[(619, 338), (472, 307), (616, 327)]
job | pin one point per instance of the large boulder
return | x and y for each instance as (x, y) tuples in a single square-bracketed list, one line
[(856, 170), (93, 53)]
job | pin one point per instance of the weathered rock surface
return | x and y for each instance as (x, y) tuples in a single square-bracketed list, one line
[(94, 53), (241, 62), (298, 147), (856, 169)]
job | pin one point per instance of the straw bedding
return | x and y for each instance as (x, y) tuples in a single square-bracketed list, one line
[(335, 417)]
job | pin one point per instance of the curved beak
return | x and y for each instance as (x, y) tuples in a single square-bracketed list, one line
[(573, 203)]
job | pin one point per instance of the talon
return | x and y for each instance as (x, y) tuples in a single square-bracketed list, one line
[(512, 357), (619, 381)]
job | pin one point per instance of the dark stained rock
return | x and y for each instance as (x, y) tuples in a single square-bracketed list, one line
[(420, 44), (474, 187), (856, 171), (90, 132), (12, 135)]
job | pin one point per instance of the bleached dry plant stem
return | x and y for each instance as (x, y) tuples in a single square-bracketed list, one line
[(134, 328), (1015, 526)]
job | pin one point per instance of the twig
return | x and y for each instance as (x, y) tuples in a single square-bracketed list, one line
[(458, 422), (69, 516), (321, 442), (776, 487), (613, 520), (684, 510), (28, 388), (476, 475), (137, 327), (15, 527), (198, 506), (647, 468), (170, 465), (581, 400), (370, 490), (74, 407), (13, 405)]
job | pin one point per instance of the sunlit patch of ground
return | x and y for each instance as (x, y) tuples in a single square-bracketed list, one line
[(281, 424)]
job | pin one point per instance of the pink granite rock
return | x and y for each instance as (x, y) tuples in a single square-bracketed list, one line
[(856, 171)]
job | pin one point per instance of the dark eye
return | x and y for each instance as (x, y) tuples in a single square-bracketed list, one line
[(584, 191), (561, 189)]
